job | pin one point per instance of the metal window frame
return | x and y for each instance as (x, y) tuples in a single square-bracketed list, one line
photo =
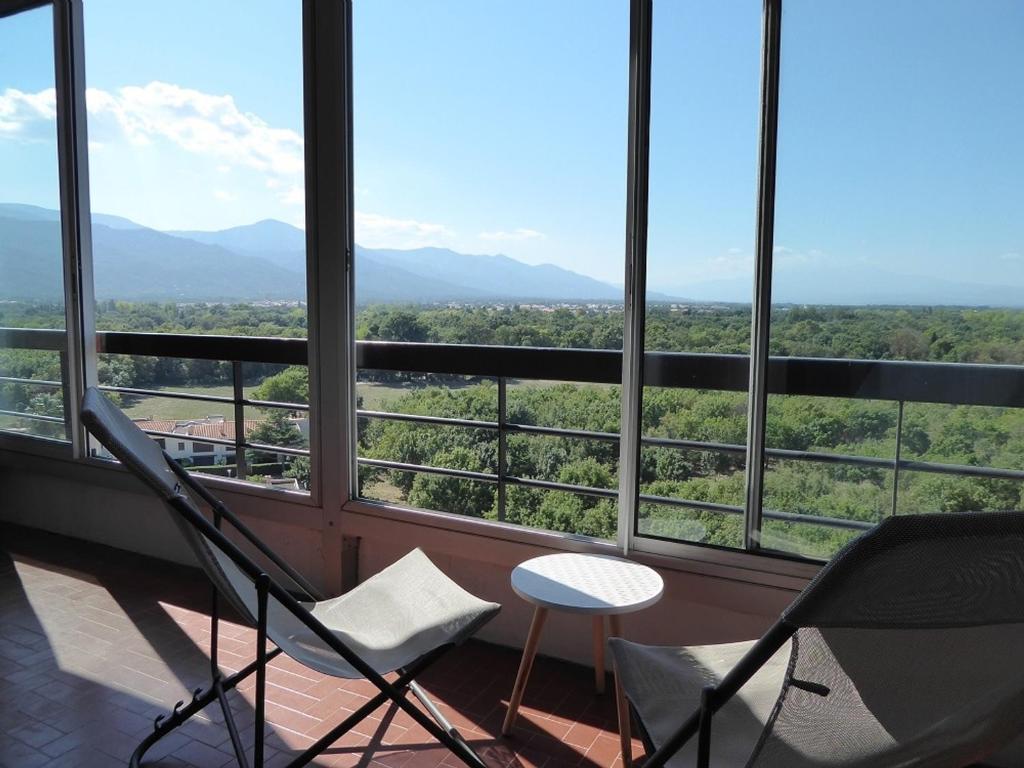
[(326, 47), (75, 212), (78, 357), (634, 352), (637, 176)]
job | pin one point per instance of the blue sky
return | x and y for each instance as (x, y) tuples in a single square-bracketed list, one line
[(501, 127)]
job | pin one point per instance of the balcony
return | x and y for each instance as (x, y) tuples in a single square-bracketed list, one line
[(61, 595), (893, 382), (96, 643)]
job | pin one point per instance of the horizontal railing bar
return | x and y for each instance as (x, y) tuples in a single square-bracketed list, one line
[(551, 485), (707, 506), (831, 458), (193, 438), (914, 381), (416, 418), (400, 466), (696, 445), (581, 434), (771, 514), (31, 382), (32, 416), (995, 473), (229, 443), (274, 404), (287, 451), (223, 399), (611, 493), (421, 419), (829, 522), (173, 395), (537, 363), (248, 349), (46, 339)]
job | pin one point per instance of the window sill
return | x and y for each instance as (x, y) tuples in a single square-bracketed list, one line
[(370, 518)]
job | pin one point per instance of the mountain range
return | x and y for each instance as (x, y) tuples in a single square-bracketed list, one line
[(266, 261)]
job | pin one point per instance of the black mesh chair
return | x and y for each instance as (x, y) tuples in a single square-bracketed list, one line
[(904, 651), (400, 620)]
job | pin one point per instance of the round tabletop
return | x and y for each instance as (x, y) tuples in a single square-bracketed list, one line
[(580, 583)]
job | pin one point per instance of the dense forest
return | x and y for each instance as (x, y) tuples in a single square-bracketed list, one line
[(959, 435)]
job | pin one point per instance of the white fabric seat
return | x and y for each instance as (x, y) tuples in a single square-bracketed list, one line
[(664, 685), (900, 653), (395, 617)]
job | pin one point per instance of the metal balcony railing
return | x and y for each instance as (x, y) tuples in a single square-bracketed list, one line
[(902, 382), (896, 381)]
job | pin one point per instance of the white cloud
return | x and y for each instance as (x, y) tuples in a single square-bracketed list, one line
[(515, 234), (198, 123), (376, 231), (22, 114), (1012, 256), (224, 196)]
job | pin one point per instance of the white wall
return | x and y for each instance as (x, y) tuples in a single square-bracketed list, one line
[(107, 506)]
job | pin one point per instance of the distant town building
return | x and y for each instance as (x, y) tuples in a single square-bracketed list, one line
[(198, 440)]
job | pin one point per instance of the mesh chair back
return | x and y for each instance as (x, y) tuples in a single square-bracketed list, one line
[(920, 571), (145, 459), (907, 649)]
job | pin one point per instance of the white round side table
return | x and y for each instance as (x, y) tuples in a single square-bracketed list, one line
[(597, 585)]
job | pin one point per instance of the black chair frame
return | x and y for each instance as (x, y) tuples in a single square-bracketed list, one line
[(266, 587)]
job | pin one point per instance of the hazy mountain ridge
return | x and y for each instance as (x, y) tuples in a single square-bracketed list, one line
[(264, 261)]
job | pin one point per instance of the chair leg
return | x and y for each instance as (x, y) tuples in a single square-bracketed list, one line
[(262, 590), (431, 707), (229, 721), (625, 731)]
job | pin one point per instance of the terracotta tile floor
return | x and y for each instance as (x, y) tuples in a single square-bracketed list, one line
[(96, 642)]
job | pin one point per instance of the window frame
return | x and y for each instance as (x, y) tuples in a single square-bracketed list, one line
[(330, 248)]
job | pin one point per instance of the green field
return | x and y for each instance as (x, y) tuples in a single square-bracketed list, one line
[(173, 408)]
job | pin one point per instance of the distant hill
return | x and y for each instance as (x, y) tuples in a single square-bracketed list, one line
[(846, 286), (265, 261)]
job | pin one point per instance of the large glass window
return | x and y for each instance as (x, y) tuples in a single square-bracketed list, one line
[(490, 160), (490, 155), (196, 156), (898, 238), (705, 75), (33, 347)]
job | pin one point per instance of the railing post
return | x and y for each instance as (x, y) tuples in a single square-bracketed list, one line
[(899, 457), (65, 392), (241, 471), (502, 446)]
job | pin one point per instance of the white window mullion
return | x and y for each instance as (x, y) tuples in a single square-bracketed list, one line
[(636, 268), (76, 228)]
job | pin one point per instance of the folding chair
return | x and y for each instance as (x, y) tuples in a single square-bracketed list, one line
[(903, 651), (400, 620)]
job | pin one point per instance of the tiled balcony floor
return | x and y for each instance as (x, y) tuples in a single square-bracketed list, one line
[(96, 642)]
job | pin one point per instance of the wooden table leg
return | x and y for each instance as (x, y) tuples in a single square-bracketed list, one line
[(599, 653), (529, 651)]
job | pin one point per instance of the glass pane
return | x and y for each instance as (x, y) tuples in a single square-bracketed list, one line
[(898, 238), (31, 254), (196, 156), (703, 176), (490, 157)]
